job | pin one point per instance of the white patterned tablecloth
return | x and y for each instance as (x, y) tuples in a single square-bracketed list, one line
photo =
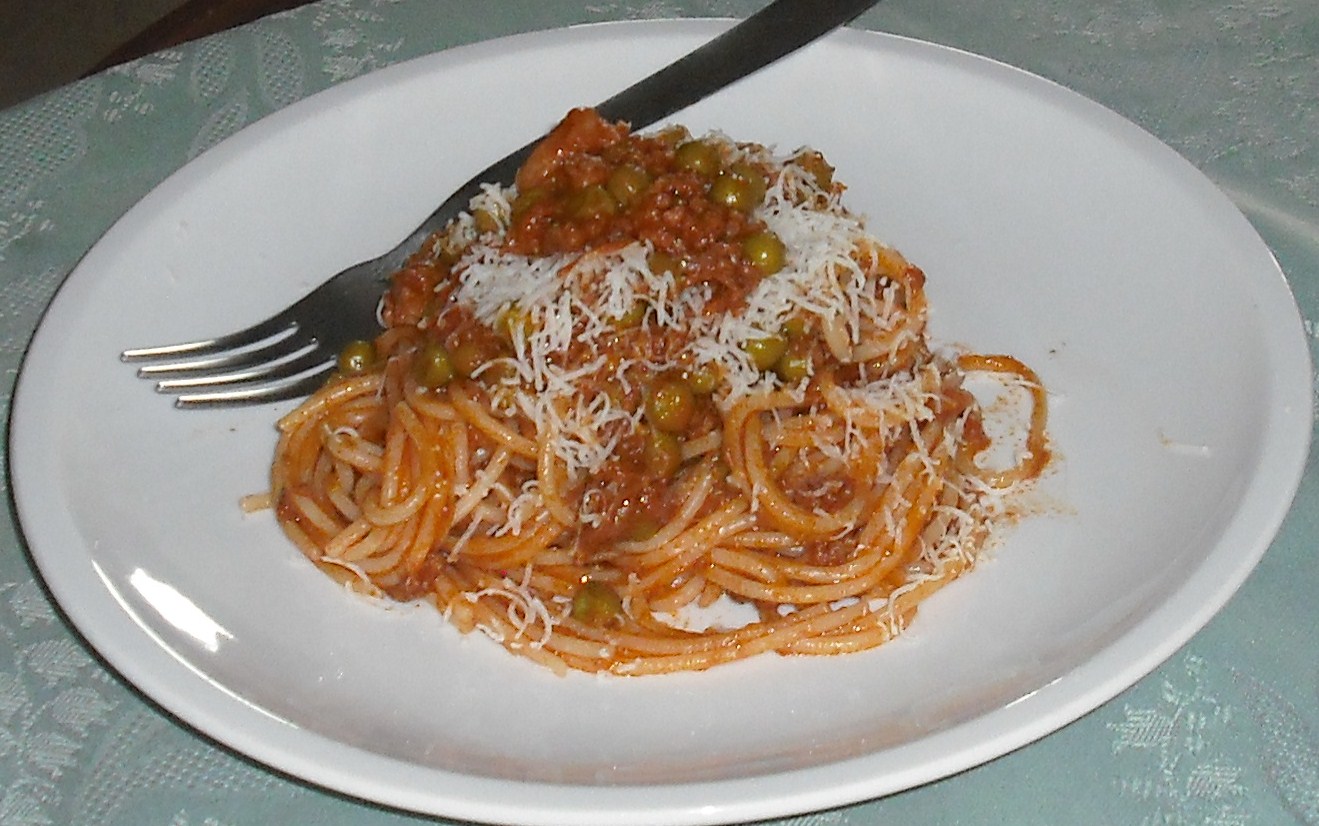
[(1226, 732)]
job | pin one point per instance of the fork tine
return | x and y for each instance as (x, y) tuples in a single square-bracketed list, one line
[(269, 329), (257, 372), (294, 388), (232, 360)]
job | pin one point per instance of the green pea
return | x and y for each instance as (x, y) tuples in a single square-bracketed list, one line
[(741, 187), (753, 177), (662, 262), (702, 378), (794, 365), (662, 454), (766, 351), (733, 193), (795, 327), (670, 405), (357, 357), (469, 356), (433, 367), (592, 202), (626, 183), (485, 221), (765, 251), (699, 157), (596, 603)]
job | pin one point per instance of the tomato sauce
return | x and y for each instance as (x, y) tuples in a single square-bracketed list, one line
[(589, 185)]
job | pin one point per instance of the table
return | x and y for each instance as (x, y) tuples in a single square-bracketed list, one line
[(1225, 732)]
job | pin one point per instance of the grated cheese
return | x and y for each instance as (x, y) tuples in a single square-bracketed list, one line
[(569, 300), (562, 303)]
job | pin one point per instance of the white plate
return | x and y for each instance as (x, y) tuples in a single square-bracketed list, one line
[(1049, 228)]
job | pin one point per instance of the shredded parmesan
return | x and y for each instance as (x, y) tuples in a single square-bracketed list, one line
[(557, 302)]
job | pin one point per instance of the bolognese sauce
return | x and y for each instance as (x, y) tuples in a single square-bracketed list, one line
[(656, 372)]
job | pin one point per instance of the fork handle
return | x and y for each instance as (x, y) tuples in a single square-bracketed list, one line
[(776, 30)]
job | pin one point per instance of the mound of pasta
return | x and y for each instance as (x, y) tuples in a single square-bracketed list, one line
[(661, 404)]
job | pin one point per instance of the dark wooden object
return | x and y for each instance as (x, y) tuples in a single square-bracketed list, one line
[(192, 20)]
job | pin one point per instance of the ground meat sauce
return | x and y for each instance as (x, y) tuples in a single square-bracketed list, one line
[(589, 185), (652, 374)]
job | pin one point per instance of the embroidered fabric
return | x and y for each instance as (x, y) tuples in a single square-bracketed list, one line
[(1227, 732)]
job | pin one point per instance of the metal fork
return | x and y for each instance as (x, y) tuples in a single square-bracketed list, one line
[(290, 354)]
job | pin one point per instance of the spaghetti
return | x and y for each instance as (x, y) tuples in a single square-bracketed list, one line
[(661, 404)]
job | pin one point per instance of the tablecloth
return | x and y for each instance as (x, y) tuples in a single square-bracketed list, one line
[(1225, 732)]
